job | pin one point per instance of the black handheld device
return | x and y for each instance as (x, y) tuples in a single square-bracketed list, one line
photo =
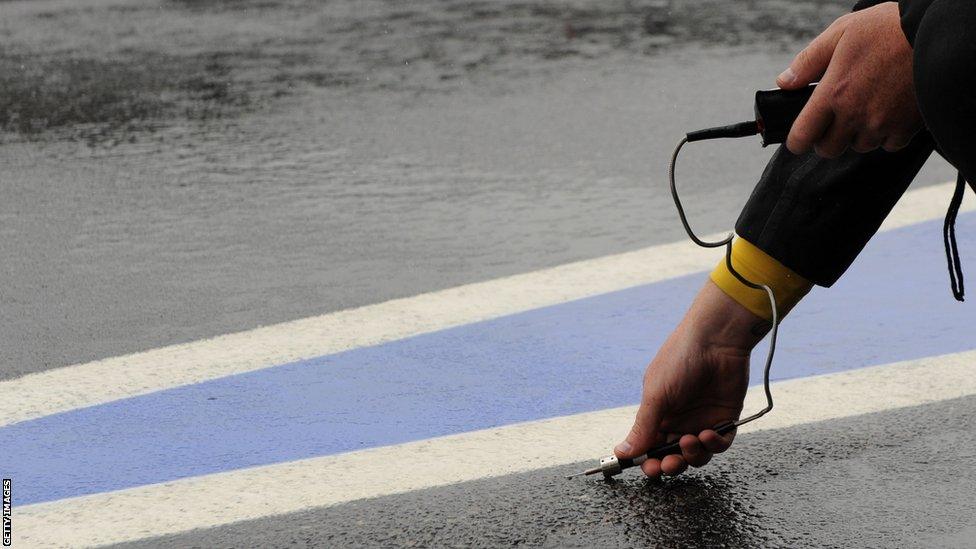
[(777, 109)]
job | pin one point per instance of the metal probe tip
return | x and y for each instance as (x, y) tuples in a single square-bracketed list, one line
[(592, 471), (609, 466)]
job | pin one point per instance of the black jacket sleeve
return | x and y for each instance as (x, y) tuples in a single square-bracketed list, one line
[(815, 215), (868, 3), (912, 12)]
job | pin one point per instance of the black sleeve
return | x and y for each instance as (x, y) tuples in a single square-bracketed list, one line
[(815, 215), (912, 12), (868, 3)]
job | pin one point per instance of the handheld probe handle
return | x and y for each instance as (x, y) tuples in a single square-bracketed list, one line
[(659, 452), (777, 109), (742, 129)]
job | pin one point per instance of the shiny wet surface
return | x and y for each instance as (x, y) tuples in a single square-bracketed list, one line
[(175, 170), (105, 71), (179, 170), (902, 478)]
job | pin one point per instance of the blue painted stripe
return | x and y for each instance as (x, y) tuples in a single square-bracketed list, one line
[(570, 358)]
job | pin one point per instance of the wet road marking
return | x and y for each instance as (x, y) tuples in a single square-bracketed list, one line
[(213, 500), (93, 383), (101, 381), (833, 483), (575, 357), (121, 444)]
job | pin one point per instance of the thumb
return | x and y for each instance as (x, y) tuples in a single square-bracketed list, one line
[(811, 63), (644, 432)]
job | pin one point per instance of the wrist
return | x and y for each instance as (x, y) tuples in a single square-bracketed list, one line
[(721, 322)]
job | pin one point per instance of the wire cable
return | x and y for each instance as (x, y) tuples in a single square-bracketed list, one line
[(611, 465), (727, 242)]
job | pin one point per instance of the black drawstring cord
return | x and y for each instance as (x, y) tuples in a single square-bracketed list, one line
[(949, 236)]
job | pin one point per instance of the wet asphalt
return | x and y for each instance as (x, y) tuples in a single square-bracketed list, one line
[(178, 170), (175, 170), (902, 478)]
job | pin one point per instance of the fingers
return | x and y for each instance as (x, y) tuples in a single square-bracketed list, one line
[(811, 124), (673, 464), (838, 136), (896, 142), (644, 432), (811, 63), (652, 468), (865, 143), (807, 67), (835, 140), (695, 451), (714, 442)]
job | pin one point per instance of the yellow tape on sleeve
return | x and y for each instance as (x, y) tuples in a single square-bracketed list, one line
[(757, 266)]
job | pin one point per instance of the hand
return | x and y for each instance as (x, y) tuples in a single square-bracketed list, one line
[(866, 98), (697, 380)]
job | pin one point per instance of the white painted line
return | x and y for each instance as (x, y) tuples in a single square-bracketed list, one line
[(62, 389), (212, 500), (924, 204)]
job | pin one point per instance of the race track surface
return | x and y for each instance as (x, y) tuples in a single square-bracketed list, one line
[(891, 479), (368, 273)]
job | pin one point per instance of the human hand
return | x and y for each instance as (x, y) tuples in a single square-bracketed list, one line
[(697, 380), (866, 96)]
